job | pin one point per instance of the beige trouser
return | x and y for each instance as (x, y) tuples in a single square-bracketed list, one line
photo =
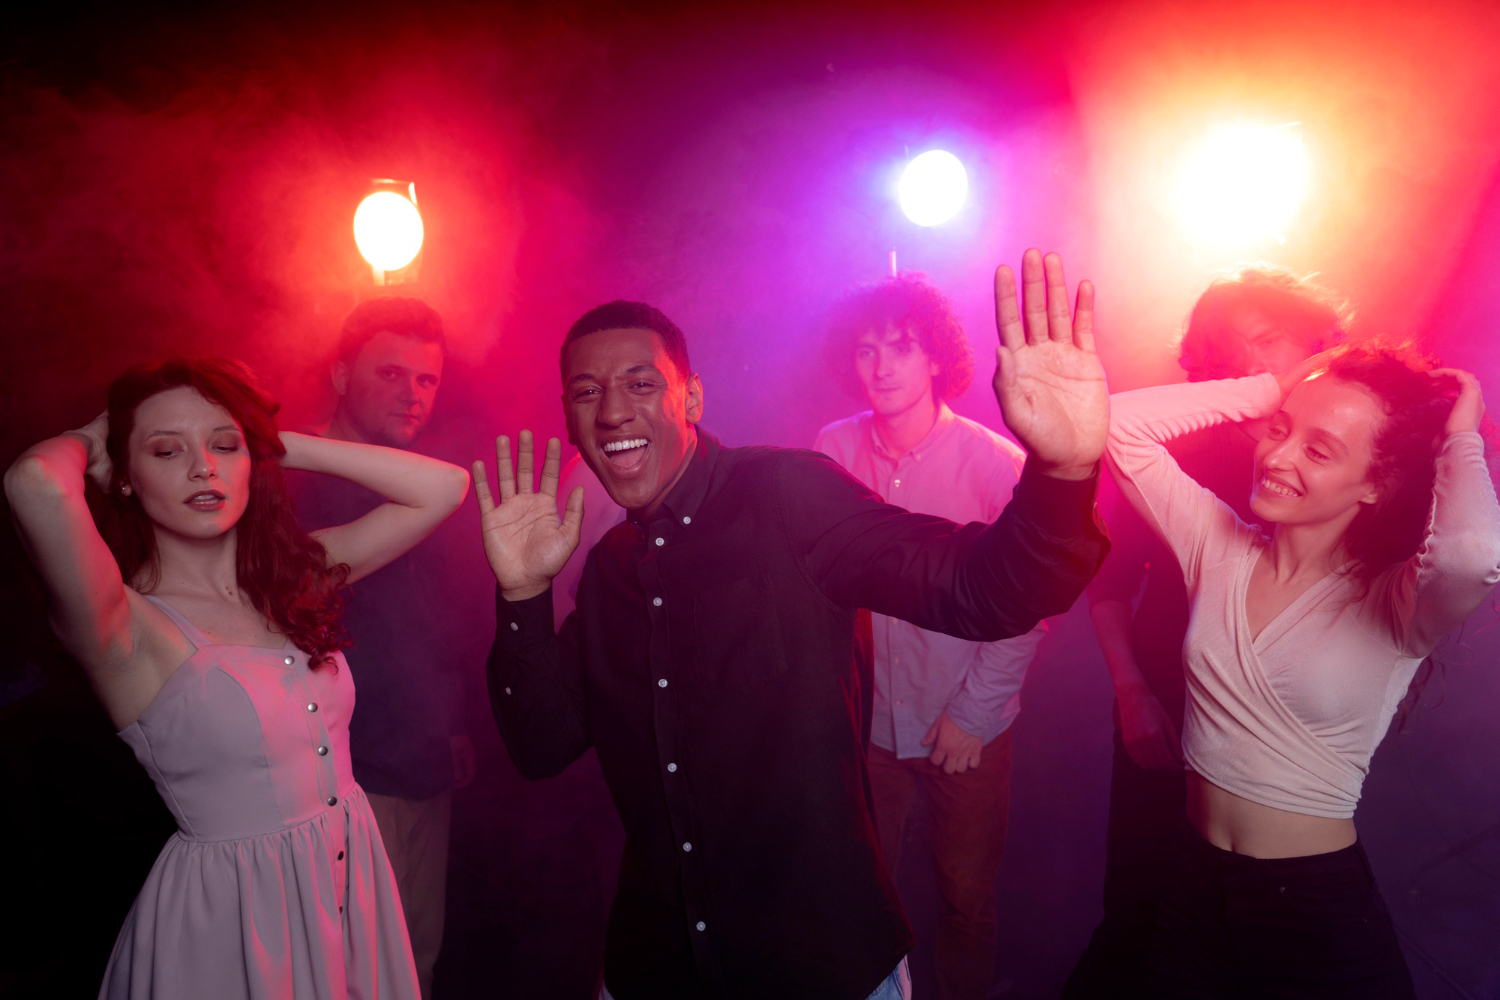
[(416, 840)]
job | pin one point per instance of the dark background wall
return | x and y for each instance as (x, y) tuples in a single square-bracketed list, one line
[(180, 179)]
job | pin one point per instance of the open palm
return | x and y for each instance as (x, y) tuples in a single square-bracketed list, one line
[(526, 543), (1049, 380)]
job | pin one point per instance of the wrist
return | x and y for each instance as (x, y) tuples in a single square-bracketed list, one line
[(1070, 472), (1132, 689), (515, 595), (92, 446)]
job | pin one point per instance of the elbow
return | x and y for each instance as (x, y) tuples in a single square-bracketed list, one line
[(532, 761), (537, 770), (455, 486), (1474, 558), (32, 481)]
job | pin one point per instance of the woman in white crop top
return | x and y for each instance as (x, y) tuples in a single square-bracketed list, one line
[(1385, 535)]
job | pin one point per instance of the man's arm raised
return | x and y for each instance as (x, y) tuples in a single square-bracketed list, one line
[(534, 672), (525, 541), (1048, 378)]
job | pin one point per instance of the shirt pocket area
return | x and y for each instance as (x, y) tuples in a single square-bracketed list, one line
[(737, 634)]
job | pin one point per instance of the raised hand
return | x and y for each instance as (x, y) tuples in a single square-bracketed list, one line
[(1048, 379), (525, 541), (1289, 380), (94, 435), (1468, 408)]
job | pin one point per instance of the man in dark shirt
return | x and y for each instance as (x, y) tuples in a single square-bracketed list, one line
[(710, 658), (403, 750), (1260, 320)]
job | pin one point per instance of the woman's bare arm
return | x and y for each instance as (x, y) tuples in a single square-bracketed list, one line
[(125, 645), (422, 492)]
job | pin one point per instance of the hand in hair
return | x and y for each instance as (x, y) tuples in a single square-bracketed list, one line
[(1049, 381), (1468, 408), (526, 543), (1289, 380), (94, 434)]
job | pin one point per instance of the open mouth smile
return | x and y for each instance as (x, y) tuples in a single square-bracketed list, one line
[(626, 455), (1274, 488)]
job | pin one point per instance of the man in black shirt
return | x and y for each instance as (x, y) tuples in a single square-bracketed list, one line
[(710, 658)]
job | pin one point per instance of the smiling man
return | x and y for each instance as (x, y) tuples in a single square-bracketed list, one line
[(710, 659)]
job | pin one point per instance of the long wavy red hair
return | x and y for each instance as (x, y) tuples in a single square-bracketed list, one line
[(282, 569)]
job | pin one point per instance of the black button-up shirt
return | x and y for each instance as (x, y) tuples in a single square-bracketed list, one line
[(711, 663)]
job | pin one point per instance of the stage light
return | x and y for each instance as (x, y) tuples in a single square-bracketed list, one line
[(388, 230), (1245, 184), (933, 188)]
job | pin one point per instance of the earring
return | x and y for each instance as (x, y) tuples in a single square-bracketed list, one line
[(125, 490)]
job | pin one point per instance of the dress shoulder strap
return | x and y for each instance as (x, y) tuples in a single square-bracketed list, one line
[(194, 636)]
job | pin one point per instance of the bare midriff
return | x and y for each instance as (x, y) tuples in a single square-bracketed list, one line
[(1232, 823)]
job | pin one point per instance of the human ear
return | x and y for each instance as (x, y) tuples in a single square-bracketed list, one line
[(694, 398), (339, 373)]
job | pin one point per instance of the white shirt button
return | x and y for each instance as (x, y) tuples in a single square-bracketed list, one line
[(687, 520), (687, 846), (322, 751), (897, 483), (507, 690), (661, 541), (312, 706), (514, 627), (290, 660), (662, 683), (672, 768), (656, 601), (701, 926)]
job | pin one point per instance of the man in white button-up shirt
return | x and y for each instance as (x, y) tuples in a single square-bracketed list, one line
[(942, 706)]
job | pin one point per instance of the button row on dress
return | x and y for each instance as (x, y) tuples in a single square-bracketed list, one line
[(333, 800)]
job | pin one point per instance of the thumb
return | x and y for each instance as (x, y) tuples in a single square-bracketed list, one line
[(931, 736)]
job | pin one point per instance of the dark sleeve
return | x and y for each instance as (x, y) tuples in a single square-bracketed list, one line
[(977, 581), (535, 688), (1132, 546)]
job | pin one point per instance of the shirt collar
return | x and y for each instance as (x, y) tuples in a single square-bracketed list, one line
[(686, 496), (940, 427)]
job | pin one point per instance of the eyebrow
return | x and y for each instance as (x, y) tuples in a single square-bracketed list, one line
[(223, 427), (632, 370)]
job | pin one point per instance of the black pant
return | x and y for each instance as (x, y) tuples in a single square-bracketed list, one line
[(1146, 810), (1229, 925)]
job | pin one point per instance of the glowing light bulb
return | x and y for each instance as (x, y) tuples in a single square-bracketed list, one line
[(1245, 184), (388, 230), (933, 188)]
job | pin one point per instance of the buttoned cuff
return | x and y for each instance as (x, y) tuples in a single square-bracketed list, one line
[(523, 624), (1060, 507), (965, 713)]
